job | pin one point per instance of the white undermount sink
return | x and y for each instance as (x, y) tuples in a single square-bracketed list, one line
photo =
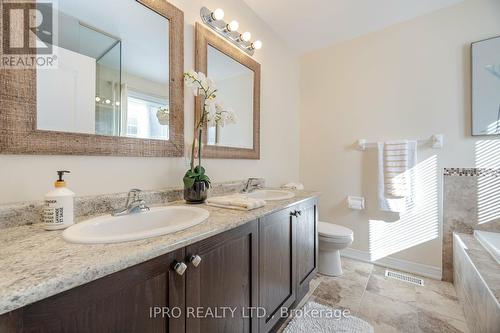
[(156, 222), (270, 195)]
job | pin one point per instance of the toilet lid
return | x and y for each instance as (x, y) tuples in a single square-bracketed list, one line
[(330, 230)]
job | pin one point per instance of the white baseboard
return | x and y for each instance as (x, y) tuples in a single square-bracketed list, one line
[(394, 263)]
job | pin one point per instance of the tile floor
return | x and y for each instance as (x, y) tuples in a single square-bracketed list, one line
[(390, 305)]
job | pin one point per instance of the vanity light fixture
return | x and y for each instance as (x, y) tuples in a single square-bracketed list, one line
[(257, 45), (217, 14), (233, 26), (229, 30), (107, 101), (246, 36)]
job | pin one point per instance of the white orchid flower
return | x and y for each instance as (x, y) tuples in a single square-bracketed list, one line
[(211, 107), (190, 78), (231, 117), (211, 120)]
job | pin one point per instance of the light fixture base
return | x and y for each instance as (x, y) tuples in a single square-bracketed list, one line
[(220, 28)]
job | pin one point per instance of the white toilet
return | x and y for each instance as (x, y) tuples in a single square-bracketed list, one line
[(332, 239)]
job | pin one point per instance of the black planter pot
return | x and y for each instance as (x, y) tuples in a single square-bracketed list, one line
[(197, 193)]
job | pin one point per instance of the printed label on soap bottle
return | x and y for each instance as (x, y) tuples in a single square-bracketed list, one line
[(53, 212), (57, 212)]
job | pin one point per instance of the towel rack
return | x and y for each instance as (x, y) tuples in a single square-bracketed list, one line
[(436, 141)]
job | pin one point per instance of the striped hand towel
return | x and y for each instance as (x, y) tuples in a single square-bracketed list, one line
[(395, 169), (396, 175)]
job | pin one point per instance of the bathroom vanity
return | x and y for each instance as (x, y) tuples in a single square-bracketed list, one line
[(245, 261)]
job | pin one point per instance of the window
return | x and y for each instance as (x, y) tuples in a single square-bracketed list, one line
[(132, 127), (142, 121)]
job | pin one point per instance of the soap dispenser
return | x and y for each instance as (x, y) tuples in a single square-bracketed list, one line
[(58, 206)]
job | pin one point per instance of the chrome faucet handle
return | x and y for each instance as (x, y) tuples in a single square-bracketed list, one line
[(134, 204), (137, 206), (133, 193), (249, 183)]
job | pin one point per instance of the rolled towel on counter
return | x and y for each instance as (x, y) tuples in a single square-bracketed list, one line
[(293, 186), (235, 201)]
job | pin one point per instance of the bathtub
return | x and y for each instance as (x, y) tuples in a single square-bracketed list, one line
[(490, 241)]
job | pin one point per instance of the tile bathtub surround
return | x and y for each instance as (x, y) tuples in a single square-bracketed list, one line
[(390, 305), (471, 200), (477, 281), (36, 264), (26, 213)]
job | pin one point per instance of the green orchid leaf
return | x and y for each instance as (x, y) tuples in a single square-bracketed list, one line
[(206, 180), (188, 181), (199, 170)]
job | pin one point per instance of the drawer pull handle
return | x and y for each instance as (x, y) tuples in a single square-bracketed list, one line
[(195, 260), (180, 268)]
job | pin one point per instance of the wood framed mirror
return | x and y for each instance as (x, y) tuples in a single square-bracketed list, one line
[(237, 78), (117, 88)]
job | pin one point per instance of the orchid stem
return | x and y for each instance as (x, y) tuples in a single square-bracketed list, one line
[(199, 146)]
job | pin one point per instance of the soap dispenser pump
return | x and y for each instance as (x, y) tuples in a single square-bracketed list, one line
[(58, 206)]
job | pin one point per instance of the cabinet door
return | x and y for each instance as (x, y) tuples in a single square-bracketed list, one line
[(306, 243), (120, 302), (276, 266), (225, 280)]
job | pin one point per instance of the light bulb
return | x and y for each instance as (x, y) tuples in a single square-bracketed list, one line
[(117, 103), (108, 101), (218, 14), (246, 36), (233, 25), (257, 45), (98, 99)]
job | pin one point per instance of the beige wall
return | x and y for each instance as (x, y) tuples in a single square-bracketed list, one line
[(30, 177), (237, 93), (408, 81)]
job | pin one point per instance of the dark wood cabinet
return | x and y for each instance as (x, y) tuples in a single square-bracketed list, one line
[(288, 245), (224, 282), (276, 266), (266, 263), (120, 302), (306, 244)]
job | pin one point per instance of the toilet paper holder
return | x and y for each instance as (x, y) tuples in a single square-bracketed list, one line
[(356, 203)]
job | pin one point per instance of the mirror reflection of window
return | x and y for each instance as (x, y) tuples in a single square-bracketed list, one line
[(235, 83), (142, 119), (100, 56)]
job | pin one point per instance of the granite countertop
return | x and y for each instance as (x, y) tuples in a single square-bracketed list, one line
[(484, 263), (36, 264)]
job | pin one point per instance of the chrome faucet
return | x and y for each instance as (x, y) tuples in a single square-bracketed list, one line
[(134, 204), (250, 186)]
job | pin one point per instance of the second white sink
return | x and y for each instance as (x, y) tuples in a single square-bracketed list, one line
[(271, 195), (113, 229)]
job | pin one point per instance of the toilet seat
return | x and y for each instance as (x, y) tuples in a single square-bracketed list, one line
[(334, 233)]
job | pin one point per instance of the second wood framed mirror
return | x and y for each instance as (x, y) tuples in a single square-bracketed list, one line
[(117, 88), (237, 77)]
